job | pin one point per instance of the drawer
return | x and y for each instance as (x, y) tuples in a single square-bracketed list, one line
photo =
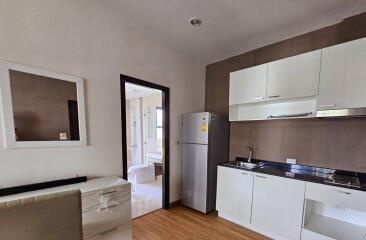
[(94, 201), (336, 196), (106, 209), (105, 219), (309, 235)]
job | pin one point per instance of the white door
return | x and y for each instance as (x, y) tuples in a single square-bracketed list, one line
[(278, 205), (343, 76), (234, 195), (294, 77), (248, 85)]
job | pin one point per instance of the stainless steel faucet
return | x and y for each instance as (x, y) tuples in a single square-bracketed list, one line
[(250, 148)]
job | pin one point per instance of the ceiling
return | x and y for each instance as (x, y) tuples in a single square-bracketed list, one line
[(136, 91), (230, 27)]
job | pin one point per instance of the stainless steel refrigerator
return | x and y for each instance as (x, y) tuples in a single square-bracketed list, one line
[(205, 144)]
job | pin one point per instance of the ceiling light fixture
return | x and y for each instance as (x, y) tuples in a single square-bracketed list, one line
[(195, 22)]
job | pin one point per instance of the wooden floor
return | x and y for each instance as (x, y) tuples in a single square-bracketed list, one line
[(180, 223)]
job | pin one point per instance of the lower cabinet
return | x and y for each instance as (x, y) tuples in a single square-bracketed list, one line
[(284, 209), (277, 206), (234, 195), (106, 209)]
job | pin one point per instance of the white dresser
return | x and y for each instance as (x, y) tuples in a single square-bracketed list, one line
[(106, 204)]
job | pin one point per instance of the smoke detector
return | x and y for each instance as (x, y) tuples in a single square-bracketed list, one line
[(196, 22)]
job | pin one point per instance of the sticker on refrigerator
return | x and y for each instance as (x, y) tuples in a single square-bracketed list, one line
[(203, 127)]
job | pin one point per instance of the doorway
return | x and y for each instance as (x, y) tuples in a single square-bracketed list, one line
[(145, 143)]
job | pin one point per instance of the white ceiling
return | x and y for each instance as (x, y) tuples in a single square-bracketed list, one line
[(231, 27), (136, 91)]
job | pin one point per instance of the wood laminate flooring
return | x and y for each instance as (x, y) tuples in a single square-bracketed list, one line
[(180, 223)]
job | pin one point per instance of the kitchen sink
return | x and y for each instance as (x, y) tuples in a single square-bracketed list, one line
[(245, 165)]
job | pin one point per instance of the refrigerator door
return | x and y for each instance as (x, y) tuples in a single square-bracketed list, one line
[(195, 127), (194, 176)]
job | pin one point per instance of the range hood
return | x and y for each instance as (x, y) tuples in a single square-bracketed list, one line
[(345, 112)]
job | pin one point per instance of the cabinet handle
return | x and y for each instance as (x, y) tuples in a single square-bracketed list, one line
[(258, 98), (291, 115), (327, 105), (274, 96), (111, 206), (344, 192), (105, 193), (244, 173), (260, 176)]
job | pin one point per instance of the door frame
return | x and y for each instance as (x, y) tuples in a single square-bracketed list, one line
[(166, 132)]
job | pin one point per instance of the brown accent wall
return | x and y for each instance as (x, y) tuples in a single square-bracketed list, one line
[(334, 143)]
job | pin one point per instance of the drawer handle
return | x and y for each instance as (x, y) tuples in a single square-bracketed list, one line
[(274, 96), (260, 176), (344, 192), (327, 105), (109, 207), (258, 98), (105, 193), (291, 115), (244, 173)]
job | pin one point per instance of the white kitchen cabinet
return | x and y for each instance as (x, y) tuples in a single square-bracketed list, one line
[(337, 196), (294, 77), (234, 195), (296, 108), (278, 206), (248, 85), (342, 76), (333, 212)]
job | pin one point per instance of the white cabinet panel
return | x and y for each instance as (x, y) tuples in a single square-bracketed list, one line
[(294, 108), (342, 76), (278, 205), (337, 196), (234, 195), (248, 85), (309, 235), (294, 77)]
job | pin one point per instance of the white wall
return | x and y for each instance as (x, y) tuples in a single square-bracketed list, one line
[(88, 38)]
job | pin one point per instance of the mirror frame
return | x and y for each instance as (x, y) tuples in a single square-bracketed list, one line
[(7, 107)]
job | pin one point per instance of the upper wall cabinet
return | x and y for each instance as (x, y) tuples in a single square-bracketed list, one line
[(294, 77), (343, 76), (248, 85), (302, 85)]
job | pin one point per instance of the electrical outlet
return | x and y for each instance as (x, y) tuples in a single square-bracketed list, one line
[(291, 160)]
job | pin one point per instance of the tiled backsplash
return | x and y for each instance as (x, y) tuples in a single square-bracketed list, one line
[(333, 143)]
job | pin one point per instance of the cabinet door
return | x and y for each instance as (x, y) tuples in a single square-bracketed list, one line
[(248, 85), (234, 195), (278, 205), (342, 76), (294, 77)]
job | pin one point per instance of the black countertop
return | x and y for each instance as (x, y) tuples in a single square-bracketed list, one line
[(299, 172)]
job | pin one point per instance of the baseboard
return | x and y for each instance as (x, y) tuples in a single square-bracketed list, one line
[(175, 203)]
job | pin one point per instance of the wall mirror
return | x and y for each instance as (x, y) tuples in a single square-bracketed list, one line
[(41, 108)]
